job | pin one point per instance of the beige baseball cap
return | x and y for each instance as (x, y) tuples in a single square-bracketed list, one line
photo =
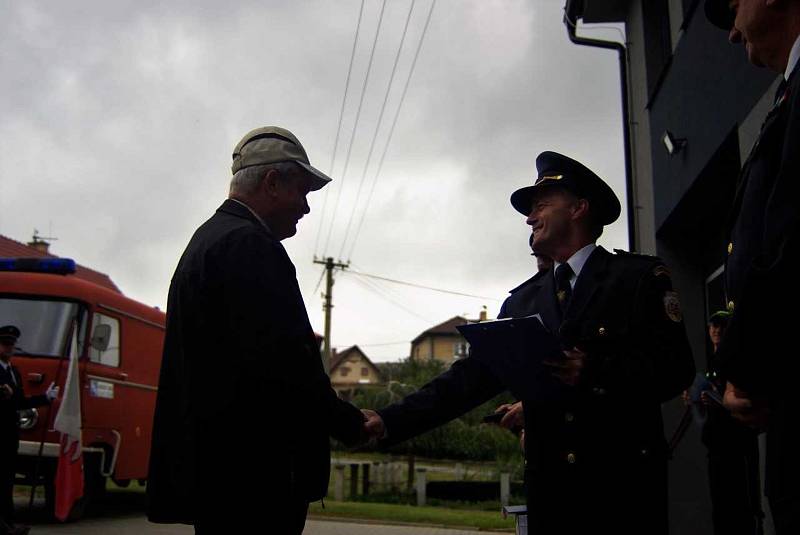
[(273, 144)]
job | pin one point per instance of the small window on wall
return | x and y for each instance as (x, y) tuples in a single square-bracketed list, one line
[(364, 372), (110, 355)]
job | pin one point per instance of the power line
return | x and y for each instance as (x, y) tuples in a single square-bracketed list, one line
[(391, 130), (355, 126), (321, 275), (377, 127), (380, 344), (339, 126), (422, 286), (372, 287)]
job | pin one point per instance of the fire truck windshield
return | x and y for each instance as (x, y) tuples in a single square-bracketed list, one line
[(44, 324)]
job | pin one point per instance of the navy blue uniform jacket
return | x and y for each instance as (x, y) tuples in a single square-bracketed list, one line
[(596, 459), (758, 353)]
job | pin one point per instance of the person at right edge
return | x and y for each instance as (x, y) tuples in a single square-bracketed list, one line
[(760, 271), (596, 457), (732, 454)]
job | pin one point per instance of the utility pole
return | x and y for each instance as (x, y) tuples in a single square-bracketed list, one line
[(327, 306)]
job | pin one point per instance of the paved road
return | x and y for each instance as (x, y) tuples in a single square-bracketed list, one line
[(138, 525), (122, 513)]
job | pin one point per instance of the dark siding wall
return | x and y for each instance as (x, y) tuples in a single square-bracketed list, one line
[(709, 89)]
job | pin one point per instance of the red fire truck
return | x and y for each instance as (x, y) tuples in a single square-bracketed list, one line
[(118, 342)]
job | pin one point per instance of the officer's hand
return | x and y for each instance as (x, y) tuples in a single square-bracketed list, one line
[(6, 392), (52, 392), (750, 411), (514, 415), (568, 369), (374, 428), (686, 399)]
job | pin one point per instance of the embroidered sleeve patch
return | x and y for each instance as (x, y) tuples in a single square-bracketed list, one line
[(672, 306)]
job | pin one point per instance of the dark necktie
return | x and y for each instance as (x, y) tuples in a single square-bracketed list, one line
[(563, 288), (11, 374)]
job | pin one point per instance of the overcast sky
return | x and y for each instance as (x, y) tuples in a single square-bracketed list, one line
[(118, 119)]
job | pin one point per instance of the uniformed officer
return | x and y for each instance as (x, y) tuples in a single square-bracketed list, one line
[(12, 399), (732, 454), (595, 458), (756, 353)]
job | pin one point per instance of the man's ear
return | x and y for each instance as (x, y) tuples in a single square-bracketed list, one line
[(270, 183), (580, 209)]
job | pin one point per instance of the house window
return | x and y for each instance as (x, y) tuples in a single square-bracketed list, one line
[(109, 356), (344, 371), (364, 372)]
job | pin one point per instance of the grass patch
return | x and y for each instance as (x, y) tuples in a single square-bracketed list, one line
[(484, 520)]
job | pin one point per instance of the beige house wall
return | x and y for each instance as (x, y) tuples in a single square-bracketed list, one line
[(354, 370), (440, 347)]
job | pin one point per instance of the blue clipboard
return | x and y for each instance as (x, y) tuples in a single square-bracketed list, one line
[(513, 350)]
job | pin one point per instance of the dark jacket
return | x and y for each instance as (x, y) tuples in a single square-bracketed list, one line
[(244, 408), (596, 459), (9, 419), (758, 353)]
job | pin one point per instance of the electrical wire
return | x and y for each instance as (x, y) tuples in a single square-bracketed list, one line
[(339, 125), (370, 286), (355, 125), (319, 281), (421, 286), (377, 127), (391, 130)]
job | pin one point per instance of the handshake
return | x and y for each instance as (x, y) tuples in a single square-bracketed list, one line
[(373, 428)]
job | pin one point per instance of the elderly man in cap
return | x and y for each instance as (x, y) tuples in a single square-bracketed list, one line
[(12, 399), (764, 252), (245, 409), (595, 457)]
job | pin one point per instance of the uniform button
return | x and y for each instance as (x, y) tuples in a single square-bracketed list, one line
[(601, 331), (571, 458), (644, 453), (597, 391), (730, 306), (569, 417), (730, 248)]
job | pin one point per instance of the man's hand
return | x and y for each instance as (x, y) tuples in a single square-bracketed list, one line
[(373, 425), (52, 392), (568, 369), (6, 392), (514, 416), (750, 411)]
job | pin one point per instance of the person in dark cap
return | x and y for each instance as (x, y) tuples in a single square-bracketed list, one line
[(733, 464), (12, 400), (244, 409), (763, 253), (596, 457)]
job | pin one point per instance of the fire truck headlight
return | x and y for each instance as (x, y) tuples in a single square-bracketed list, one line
[(28, 418)]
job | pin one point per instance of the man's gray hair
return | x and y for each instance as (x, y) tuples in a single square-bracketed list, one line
[(246, 180)]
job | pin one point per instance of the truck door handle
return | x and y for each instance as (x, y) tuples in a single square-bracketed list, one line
[(123, 376), (35, 378)]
